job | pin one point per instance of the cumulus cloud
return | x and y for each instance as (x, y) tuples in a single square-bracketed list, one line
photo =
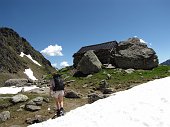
[(52, 50), (54, 65), (64, 64)]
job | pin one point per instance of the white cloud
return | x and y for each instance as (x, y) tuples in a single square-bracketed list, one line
[(52, 50), (54, 65), (64, 64)]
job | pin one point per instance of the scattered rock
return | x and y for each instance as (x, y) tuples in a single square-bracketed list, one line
[(129, 71), (108, 66), (108, 91), (19, 98), (67, 82), (94, 97), (103, 85), (38, 101), (108, 76), (71, 94), (5, 115), (89, 76), (32, 108), (36, 119)]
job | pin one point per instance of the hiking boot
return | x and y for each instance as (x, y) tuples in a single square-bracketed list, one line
[(61, 112), (58, 112)]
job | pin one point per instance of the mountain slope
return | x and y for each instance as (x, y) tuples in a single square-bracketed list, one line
[(146, 105), (11, 46), (167, 62)]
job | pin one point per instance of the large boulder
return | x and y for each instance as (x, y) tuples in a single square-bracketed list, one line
[(16, 82), (89, 63), (135, 54)]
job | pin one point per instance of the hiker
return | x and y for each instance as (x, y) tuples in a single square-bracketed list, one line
[(57, 91)]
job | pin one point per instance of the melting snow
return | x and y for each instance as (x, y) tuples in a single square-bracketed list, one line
[(30, 57), (15, 90), (146, 105), (29, 73)]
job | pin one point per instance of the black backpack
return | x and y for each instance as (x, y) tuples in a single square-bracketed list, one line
[(58, 83)]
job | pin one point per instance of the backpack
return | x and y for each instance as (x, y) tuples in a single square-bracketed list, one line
[(58, 83)]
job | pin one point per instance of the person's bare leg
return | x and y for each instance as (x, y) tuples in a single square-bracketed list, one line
[(57, 103), (60, 100)]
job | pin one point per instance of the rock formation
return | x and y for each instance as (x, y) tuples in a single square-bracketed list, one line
[(127, 54), (89, 63), (135, 54)]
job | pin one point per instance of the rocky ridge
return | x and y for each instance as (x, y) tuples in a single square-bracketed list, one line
[(11, 46)]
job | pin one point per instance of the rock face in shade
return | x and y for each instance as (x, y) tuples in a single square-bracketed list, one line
[(135, 54)]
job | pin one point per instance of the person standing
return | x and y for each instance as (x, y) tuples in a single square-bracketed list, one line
[(57, 91)]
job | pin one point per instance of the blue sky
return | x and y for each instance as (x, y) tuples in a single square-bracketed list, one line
[(67, 25)]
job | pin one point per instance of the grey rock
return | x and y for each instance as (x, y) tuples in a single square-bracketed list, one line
[(32, 108), (108, 91), (36, 119), (5, 115), (129, 71), (71, 94), (16, 82), (103, 85), (38, 100), (89, 63), (108, 76), (19, 98), (94, 97), (134, 54)]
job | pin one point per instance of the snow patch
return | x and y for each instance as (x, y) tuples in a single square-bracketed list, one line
[(142, 41), (30, 57), (146, 105), (29, 73), (15, 90)]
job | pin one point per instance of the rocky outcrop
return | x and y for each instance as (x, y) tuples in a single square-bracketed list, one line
[(11, 46), (103, 51), (135, 54), (132, 53), (89, 63)]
